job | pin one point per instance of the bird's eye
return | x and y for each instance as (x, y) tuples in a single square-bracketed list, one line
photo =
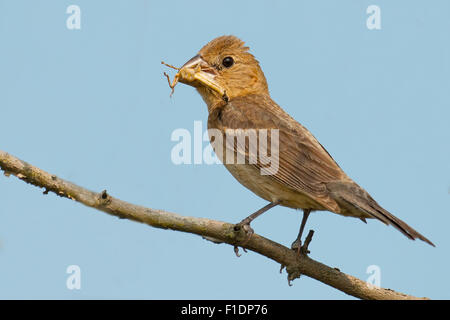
[(227, 62)]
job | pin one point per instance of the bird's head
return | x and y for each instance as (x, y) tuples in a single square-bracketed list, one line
[(222, 70)]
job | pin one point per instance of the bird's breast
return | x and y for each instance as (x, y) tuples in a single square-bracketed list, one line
[(250, 175)]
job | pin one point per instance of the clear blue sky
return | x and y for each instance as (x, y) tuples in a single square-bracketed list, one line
[(92, 106)]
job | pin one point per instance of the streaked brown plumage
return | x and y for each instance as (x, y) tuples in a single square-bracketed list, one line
[(308, 178)]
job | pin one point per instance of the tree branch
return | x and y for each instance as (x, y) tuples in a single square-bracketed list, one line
[(222, 231)]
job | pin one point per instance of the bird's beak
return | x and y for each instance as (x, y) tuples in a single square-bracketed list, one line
[(196, 72)]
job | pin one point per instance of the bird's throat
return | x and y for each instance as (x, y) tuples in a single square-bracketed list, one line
[(212, 98)]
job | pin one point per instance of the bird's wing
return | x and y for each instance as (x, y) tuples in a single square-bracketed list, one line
[(303, 163)]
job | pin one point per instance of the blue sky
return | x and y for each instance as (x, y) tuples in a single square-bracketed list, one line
[(93, 107)]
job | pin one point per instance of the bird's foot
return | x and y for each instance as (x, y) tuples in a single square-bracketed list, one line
[(302, 249), (245, 227), (236, 251), (296, 245)]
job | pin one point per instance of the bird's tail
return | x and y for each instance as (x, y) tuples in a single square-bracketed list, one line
[(355, 201)]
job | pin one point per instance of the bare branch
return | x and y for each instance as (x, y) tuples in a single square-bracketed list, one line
[(210, 229)]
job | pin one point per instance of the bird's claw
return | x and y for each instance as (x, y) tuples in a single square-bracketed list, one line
[(244, 226), (236, 251), (299, 248), (296, 245), (302, 249)]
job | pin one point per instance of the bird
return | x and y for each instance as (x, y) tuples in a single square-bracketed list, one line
[(232, 84)]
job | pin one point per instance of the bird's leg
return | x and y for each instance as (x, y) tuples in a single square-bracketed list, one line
[(297, 244), (245, 224)]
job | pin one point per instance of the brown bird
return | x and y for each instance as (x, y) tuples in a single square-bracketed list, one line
[(306, 177)]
